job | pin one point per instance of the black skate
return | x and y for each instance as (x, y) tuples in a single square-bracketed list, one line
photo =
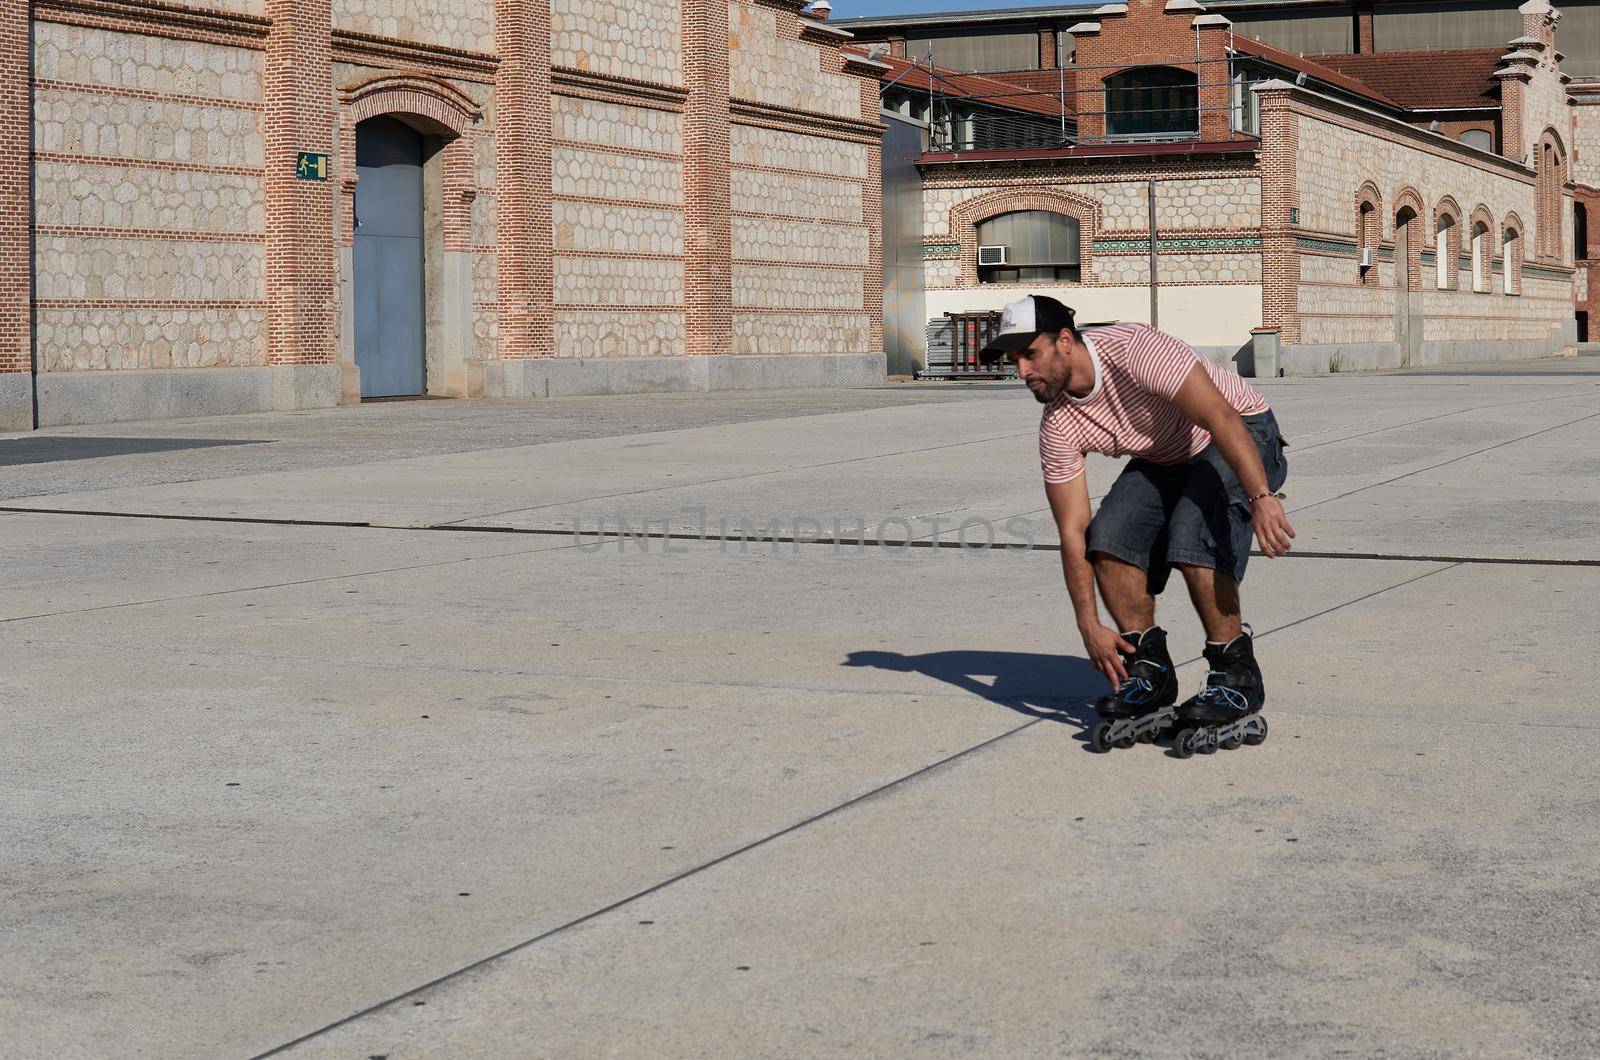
[(1142, 707), (1227, 712)]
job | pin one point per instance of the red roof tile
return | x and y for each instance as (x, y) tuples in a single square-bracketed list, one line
[(1312, 68), (1426, 80), (1015, 92)]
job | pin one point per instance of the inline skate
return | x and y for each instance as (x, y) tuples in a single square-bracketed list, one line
[(1227, 710), (1142, 706)]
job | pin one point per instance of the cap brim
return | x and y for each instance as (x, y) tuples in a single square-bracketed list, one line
[(1002, 344)]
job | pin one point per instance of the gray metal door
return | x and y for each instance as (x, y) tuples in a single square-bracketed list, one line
[(389, 329)]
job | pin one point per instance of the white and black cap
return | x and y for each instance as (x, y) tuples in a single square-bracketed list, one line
[(1022, 322)]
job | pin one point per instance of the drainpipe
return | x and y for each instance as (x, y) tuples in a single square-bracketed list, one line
[(1154, 262)]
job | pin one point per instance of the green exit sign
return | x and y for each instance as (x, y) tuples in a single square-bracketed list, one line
[(311, 166)]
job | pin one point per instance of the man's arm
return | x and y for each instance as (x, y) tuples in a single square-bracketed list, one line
[(1069, 503), (1200, 400)]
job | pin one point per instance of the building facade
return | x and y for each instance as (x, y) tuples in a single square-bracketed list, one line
[(1360, 210), (240, 205)]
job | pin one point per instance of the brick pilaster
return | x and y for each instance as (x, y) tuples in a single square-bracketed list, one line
[(302, 300), (1047, 48), (15, 165), (1280, 194), (1216, 91), (524, 244), (1363, 34), (707, 225)]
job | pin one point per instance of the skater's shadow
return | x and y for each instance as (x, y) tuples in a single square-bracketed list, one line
[(1058, 687)]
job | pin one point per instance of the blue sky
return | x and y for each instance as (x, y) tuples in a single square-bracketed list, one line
[(863, 8)]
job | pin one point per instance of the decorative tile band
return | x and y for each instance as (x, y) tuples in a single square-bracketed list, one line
[(941, 250), (1326, 246), (1546, 273), (1337, 248), (1115, 246)]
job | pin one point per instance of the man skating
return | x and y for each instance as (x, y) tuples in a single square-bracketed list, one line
[(1208, 462)]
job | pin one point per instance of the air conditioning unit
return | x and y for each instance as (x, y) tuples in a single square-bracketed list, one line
[(1367, 260), (993, 255)]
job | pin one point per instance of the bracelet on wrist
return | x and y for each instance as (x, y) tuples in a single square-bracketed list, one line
[(1263, 495)]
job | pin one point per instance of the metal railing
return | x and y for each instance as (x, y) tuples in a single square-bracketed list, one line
[(1018, 117)]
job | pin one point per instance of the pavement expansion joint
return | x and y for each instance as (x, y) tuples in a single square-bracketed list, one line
[(771, 837), (1445, 463), (587, 538)]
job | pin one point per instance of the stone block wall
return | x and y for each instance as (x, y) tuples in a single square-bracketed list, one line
[(617, 209), (618, 38), (447, 23), (150, 214), (767, 65), (1342, 156), (602, 179), (1208, 219)]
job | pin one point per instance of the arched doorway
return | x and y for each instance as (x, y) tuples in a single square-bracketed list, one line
[(390, 301)]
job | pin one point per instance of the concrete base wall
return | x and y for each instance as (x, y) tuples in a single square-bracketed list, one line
[(16, 401), (1375, 356), (67, 398), (570, 377)]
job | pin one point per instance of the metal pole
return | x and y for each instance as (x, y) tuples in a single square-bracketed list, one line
[(1155, 318), (1061, 76)]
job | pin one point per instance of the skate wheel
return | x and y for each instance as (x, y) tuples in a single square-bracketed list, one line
[(1258, 734), (1206, 745), (1182, 744), (1100, 738), (1234, 742), (1126, 742), (1147, 737)]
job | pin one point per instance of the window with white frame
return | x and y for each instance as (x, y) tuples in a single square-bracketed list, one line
[(1029, 245), (1511, 261), (1445, 242), (1482, 256)]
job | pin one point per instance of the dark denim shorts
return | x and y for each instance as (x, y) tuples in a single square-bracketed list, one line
[(1158, 516)]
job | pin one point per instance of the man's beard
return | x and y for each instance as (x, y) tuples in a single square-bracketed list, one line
[(1045, 394)]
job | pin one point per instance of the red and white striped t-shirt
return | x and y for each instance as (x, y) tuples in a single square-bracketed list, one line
[(1138, 371)]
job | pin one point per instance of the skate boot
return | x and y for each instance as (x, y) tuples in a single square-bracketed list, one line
[(1142, 707), (1227, 712)]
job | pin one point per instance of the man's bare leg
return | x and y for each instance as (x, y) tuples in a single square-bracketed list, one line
[(1216, 601), (1126, 593)]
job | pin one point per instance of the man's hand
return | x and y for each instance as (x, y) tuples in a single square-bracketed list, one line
[(1273, 531), (1102, 642)]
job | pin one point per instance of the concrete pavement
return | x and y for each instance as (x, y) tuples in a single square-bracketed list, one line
[(457, 782)]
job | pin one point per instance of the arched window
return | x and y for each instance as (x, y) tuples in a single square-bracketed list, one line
[(1029, 245), (1406, 247), (1511, 264), (1580, 231), (1153, 101), (1369, 233), (1482, 257), (1447, 248), (1548, 222), (1482, 139)]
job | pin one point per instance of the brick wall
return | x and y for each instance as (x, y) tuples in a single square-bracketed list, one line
[(1149, 35), (298, 117), (607, 182), (15, 294), (1345, 159)]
